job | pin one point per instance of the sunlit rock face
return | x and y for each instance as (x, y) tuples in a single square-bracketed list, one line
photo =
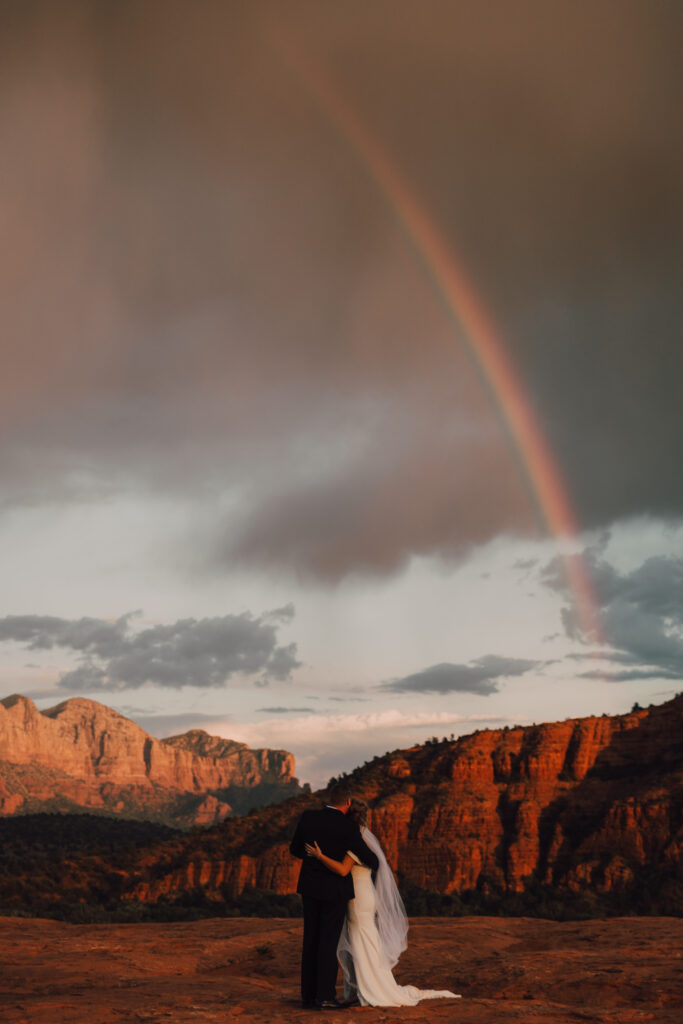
[(584, 805), (581, 803), (576, 803), (81, 755)]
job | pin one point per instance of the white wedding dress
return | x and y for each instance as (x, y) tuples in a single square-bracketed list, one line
[(365, 956)]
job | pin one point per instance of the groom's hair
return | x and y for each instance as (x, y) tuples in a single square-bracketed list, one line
[(339, 793)]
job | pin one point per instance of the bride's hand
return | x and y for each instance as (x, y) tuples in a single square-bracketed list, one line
[(313, 850)]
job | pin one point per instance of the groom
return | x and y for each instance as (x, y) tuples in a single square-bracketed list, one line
[(325, 894)]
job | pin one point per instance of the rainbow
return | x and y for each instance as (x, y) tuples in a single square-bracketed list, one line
[(477, 330)]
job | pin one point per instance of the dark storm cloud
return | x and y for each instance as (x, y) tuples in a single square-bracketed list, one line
[(481, 676), (641, 614), (190, 652), (372, 513), (202, 288)]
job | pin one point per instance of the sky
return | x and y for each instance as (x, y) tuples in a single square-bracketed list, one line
[(259, 473)]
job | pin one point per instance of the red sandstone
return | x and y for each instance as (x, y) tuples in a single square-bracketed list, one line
[(518, 971)]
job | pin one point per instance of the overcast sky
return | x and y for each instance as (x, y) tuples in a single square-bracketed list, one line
[(252, 479)]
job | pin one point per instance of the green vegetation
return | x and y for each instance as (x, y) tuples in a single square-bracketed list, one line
[(54, 865), (652, 893), (69, 832), (81, 869)]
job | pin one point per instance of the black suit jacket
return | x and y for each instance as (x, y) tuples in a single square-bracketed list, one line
[(335, 834)]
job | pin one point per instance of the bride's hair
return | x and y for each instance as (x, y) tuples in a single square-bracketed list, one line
[(358, 812)]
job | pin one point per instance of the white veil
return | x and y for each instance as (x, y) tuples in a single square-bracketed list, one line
[(391, 919)]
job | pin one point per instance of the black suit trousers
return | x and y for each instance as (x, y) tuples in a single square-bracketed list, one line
[(323, 921)]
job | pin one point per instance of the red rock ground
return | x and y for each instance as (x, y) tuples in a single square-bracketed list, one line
[(517, 971)]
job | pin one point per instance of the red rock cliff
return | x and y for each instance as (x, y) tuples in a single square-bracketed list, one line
[(81, 754), (583, 804)]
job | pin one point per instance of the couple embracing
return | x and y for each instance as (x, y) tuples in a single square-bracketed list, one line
[(349, 918)]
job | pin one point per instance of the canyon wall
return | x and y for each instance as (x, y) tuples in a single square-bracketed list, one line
[(583, 805), (588, 807)]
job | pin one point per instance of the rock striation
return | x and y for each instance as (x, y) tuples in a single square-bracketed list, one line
[(592, 805), (82, 755)]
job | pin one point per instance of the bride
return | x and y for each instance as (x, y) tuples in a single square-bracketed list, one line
[(375, 930)]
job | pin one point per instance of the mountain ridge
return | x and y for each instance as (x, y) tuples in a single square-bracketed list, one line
[(80, 754), (589, 806), (576, 818)]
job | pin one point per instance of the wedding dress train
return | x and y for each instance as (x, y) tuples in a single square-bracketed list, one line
[(365, 959)]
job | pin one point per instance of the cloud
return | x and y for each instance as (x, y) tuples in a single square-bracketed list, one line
[(405, 491), (614, 656), (349, 700), (190, 652), (525, 563), (225, 295), (284, 711), (480, 677), (633, 675), (641, 614), (43, 632)]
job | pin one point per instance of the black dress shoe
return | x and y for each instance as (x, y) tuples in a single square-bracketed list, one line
[(308, 1004), (330, 1004)]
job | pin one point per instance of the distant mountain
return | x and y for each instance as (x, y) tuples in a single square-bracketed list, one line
[(576, 818), (82, 755)]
